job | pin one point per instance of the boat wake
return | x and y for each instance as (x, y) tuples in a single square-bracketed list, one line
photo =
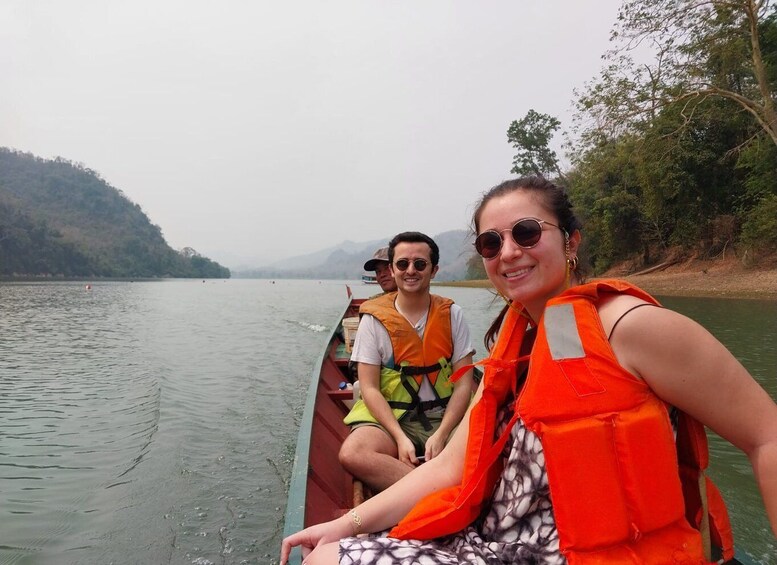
[(318, 328)]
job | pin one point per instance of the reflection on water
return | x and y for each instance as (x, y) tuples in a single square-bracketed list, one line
[(156, 422)]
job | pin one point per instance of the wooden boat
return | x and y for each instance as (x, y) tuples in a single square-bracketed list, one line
[(320, 489), (369, 278)]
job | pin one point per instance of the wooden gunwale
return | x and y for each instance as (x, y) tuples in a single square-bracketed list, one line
[(319, 488)]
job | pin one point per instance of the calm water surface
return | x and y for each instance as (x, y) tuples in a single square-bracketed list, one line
[(155, 422)]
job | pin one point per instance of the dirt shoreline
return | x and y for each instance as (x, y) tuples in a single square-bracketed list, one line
[(750, 284), (716, 279)]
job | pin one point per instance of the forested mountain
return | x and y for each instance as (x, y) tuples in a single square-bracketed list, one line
[(58, 218), (675, 151)]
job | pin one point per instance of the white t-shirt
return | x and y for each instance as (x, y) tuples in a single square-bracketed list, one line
[(373, 344)]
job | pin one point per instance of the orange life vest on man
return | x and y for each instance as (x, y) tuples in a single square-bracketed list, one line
[(619, 494), (409, 348), (413, 358)]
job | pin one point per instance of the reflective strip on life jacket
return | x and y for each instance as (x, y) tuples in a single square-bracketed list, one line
[(563, 338)]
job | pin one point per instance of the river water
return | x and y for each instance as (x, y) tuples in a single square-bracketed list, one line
[(155, 422)]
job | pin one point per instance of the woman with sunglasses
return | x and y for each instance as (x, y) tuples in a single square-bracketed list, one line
[(591, 453)]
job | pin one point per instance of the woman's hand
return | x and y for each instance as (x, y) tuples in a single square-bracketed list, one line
[(310, 538)]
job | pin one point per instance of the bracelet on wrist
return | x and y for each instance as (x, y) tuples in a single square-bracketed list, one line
[(356, 522)]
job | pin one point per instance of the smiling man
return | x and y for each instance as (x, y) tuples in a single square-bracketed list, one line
[(408, 345)]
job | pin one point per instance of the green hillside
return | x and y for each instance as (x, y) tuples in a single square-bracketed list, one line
[(60, 219)]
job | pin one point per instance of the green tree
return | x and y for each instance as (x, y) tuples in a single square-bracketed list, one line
[(700, 48), (604, 184), (531, 136), (759, 231), (680, 151)]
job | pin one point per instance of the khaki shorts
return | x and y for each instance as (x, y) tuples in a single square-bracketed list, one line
[(414, 429)]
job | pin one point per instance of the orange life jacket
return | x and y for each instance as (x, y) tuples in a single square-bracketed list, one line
[(409, 348), (623, 491), (413, 358)]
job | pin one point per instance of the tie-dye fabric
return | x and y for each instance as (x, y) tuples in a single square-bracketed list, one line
[(518, 528)]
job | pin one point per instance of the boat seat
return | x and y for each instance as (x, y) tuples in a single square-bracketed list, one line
[(361, 492), (338, 394), (342, 356), (350, 325), (358, 492)]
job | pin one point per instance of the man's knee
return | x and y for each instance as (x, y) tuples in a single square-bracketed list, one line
[(362, 444), (355, 449), (348, 455)]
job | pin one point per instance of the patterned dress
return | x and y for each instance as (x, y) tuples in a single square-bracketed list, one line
[(518, 528)]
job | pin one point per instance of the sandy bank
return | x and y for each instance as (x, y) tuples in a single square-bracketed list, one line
[(717, 278)]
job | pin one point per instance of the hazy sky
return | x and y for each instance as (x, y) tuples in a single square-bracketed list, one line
[(253, 130)]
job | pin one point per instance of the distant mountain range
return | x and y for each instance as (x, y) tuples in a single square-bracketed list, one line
[(346, 260)]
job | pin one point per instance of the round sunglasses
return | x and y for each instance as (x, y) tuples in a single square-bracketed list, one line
[(526, 233), (419, 264)]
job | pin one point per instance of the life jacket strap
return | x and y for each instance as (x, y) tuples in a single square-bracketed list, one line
[(416, 402), (425, 405), (415, 371)]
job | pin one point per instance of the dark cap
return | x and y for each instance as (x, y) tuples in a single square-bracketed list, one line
[(381, 255)]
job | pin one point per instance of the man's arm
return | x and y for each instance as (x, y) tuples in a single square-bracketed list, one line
[(462, 390), (454, 411), (369, 381)]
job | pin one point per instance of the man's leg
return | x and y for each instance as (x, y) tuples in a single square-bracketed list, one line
[(370, 454)]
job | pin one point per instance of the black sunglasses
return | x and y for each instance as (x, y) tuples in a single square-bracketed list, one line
[(526, 233), (419, 264)]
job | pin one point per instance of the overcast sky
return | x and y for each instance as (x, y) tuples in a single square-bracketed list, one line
[(254, 130)]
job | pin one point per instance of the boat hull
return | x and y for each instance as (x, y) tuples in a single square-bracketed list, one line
[(319, 488)]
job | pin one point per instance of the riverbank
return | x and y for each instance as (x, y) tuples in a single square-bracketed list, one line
[(717, 279)]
